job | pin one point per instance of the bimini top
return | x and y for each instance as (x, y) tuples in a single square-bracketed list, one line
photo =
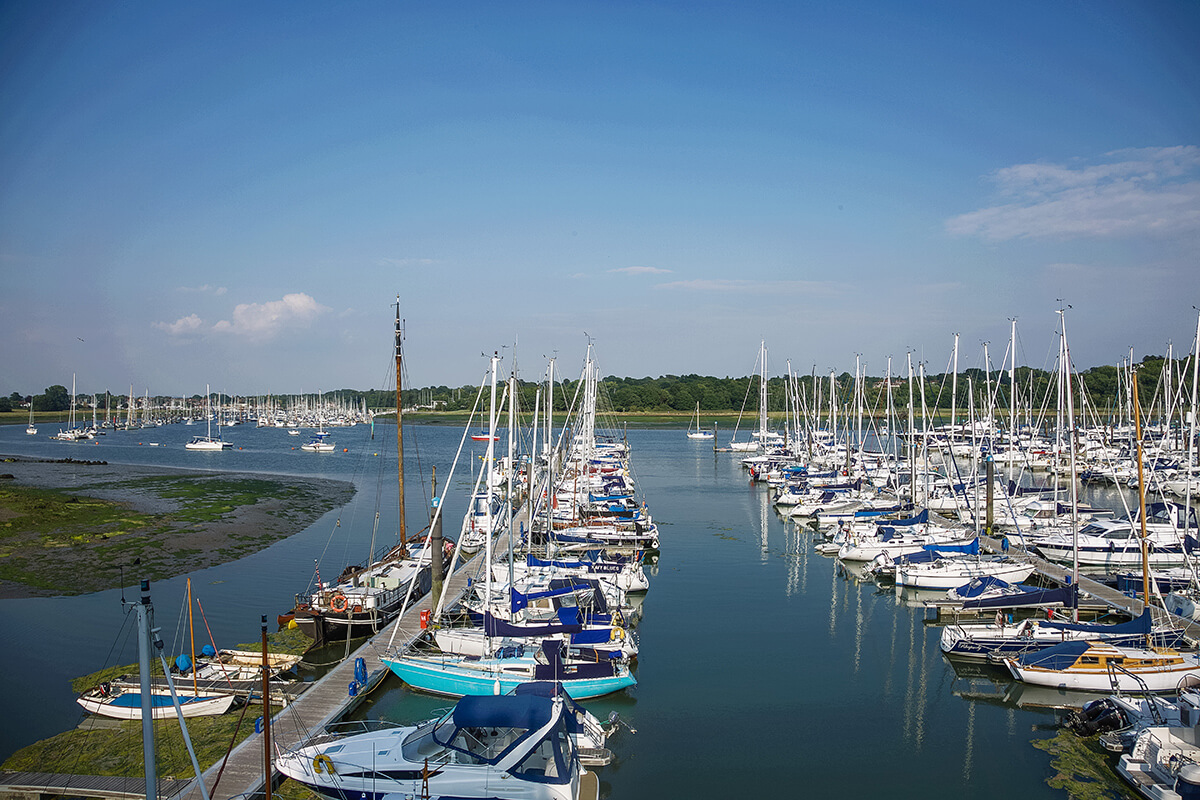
[(487, 711)]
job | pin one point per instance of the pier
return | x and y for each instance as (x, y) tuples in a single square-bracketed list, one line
[(42, 785)]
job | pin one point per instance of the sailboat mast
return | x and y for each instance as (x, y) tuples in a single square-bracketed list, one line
[(400, 420), (1066, 382), (145, 615), (1137, 432)]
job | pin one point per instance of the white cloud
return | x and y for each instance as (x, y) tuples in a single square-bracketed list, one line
[(1147, 191), (641, 271), (182, 326), (265, 320)]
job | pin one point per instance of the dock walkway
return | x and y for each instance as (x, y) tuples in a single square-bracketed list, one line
[(38, 785)]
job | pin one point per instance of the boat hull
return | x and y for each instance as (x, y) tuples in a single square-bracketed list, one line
[(128, 705), (445, 678)]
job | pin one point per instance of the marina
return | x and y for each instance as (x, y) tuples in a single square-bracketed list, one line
[(792, 632)]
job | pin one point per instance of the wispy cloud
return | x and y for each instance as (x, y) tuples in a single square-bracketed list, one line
[(749, 287), (640, 271), (1138, 192), (183, 326), (265, 320), (205, 289), (406, 262)]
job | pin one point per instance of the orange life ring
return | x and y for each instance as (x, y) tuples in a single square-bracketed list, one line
[(339, 603)]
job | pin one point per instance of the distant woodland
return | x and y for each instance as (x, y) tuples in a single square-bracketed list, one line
[(1163, 385)]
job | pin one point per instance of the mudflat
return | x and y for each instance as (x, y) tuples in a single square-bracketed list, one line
[(66, 525)]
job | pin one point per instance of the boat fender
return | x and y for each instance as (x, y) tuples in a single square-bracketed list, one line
[(321, 760), (339, 602), (1188, 780)]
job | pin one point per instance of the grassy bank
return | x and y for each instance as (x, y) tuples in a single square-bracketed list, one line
[(70, 542), (111, 747)]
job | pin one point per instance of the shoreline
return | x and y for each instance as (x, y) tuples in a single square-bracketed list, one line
[(175, 520)]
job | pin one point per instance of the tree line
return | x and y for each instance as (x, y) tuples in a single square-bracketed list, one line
[(1100, 388)]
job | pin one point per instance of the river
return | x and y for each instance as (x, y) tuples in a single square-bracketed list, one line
[(764, 668)]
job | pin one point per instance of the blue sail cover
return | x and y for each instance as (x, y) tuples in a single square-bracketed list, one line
[(970, 549), (876, 512), (1142, 624), (1064, 596), (520, 601), (1059, 657), (493, 626), (978, 586)]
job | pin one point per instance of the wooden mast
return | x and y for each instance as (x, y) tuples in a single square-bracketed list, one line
[(400, 419)]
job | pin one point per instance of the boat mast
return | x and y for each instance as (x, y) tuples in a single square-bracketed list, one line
[(954, 398), (1066, 382), (1012, 397), (400, 421), (1137, 432), (145, 613)]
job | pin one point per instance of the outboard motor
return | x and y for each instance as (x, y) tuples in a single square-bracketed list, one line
[(1187, 782), (1098, 716)]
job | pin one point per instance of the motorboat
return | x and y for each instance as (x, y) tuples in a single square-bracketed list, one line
[(1164, 762), (1117, 543), (507, 746)]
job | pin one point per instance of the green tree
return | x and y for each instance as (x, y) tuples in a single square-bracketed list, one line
[(55, 398)]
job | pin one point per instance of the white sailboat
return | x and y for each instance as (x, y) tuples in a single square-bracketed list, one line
[(72, 433), (698, 433), (208, 442), (32, 429)]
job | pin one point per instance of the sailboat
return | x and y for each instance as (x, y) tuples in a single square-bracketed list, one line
[(208, 442), (32, 429), (128, 700), (364, 598), (762, 437), (698, 433), (318, 443), (582, 671), (72, 433)]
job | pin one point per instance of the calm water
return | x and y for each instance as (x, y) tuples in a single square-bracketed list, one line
[(764, 668)]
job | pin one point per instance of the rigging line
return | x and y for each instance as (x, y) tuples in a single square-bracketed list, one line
[(121, 638)]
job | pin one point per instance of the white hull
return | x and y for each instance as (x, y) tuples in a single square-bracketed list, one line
[(127, 704)]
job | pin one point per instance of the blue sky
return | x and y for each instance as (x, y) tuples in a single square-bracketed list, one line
[(233, 194)]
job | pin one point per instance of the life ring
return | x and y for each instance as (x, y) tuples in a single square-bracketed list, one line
[(339, 603), (321, 760), (617, 634)]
